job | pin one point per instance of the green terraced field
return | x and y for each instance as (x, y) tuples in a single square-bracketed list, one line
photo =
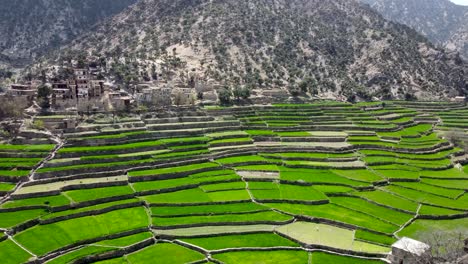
[(254, 184)]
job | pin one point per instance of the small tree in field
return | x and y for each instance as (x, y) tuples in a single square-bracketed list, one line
[(225, 96), (43, 93)]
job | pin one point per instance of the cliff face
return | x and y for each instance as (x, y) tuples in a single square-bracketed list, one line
[(29, 28), (442, 21)]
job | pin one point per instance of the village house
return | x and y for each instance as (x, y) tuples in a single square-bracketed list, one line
[(408, 251), (160, 96), (28, 90), (459, 99), (120, 100), (68, 93), (183, 96)]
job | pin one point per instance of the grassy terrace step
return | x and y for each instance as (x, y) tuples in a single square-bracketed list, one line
[(64, 233), (68, 184), (271, 192), (165, 253), (11, 253), (232, 178), (101, 247), (318, 176), (213, 209), (268, 257), (267, 217), (328, 236), (213, 230), (194, 168), (11, 219), (338, 214), (197, 196), (185, 182), (236, 241)]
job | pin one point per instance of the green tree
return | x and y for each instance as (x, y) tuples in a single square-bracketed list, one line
[(225, 96), (294, 90), (43, 93)]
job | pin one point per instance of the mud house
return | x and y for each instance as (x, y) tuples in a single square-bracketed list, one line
[(157, 96), (408, 251), (120, 100), (183, 96), (24, 90)]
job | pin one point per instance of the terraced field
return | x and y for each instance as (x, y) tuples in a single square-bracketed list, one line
[(316, 183)]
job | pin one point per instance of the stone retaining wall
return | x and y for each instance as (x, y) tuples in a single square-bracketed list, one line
[(58, 252), (223, 224), (90, 213)]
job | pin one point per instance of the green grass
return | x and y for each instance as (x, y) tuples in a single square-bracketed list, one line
[(98, 193), (269, 216), (260, 257), (6, 187), (97, 165), (336, 213), (56, 200), (432, 210), (207, 209), (239, 185), (235, 241), (318, 176), (389, 199), (227, 134), (11, 219), (26, 148), (319, 234), (273, 191), (453, 194), (231, 140), (423, 197), (211, 193), (422, 229), (375, 238), (137, 145), (261, 133), (325, 258), (451, 184), (165, 253), (115, 136), (185, 168), (66, 232), (241, 159), (86, 209), (196, 195), (380, 212), (80, 253), (450, 173), (10, 253), (294, 134), (359, 175), (258, 168), (14, 173), (126, 241)]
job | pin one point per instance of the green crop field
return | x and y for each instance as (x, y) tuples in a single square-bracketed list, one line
[(257, 184)]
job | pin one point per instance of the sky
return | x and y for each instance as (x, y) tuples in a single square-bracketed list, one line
[(460, 2)]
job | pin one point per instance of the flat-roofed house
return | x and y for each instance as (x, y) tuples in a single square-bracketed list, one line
[(409, 251)]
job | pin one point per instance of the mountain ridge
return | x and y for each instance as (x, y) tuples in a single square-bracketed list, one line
[(31, 28), (443, 22)]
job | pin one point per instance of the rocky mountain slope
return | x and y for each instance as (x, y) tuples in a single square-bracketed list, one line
[(328, 47), (442, 21), (29, 28)]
